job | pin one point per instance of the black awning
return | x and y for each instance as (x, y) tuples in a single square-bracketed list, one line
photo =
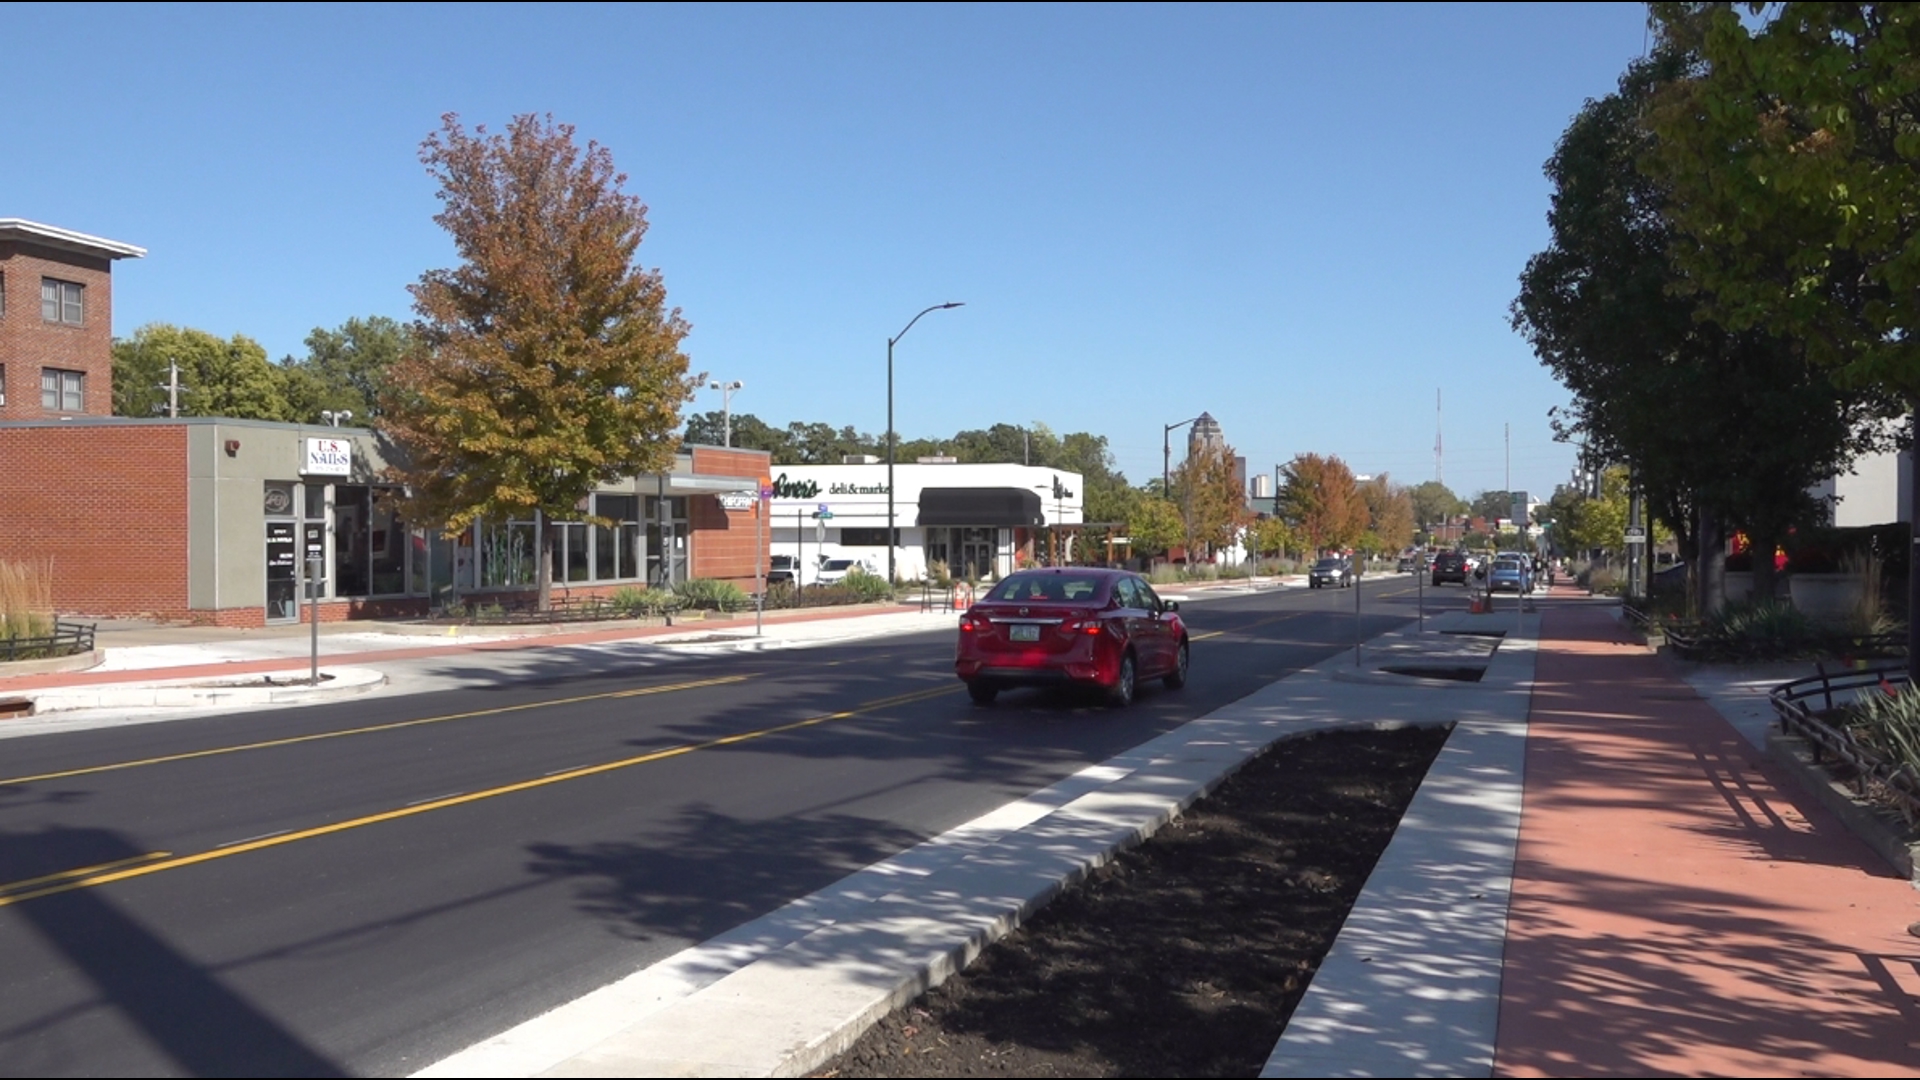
[(979, 507)]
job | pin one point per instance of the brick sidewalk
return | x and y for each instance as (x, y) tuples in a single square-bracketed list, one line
[(1678, 906)]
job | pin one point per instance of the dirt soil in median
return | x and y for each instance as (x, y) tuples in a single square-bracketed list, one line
[(1185, 955)]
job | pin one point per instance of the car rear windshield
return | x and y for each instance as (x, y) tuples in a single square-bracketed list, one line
[(1063, 588)]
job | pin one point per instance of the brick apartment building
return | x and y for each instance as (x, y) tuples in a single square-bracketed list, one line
[(56, 320), (215, 520)]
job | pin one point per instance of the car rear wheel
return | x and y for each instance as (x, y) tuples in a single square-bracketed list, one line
[(1177, 678), (1120, 694), (982, 693)]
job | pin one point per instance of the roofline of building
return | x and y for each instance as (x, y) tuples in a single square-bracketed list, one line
[(67, 239)]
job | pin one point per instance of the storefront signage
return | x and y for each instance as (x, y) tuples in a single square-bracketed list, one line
[(737, 500), (856, 489), (279, 500), (784, 488), (328, 457)]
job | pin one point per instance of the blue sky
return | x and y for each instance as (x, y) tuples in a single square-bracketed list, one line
[(1302, 219)]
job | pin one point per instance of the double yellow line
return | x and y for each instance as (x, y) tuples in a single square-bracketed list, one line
[(343, 733), (158, 861)]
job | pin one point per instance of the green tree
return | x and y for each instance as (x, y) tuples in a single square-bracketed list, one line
[(1792, 148), (1155, 526), (1321, 500), (230, 378), (1492, 504), (1271, 536), (546, 363), (1434, 502), (1723, 428), (749, 433), (346, 368)]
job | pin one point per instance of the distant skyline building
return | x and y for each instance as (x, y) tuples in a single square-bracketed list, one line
[(1204, 435)]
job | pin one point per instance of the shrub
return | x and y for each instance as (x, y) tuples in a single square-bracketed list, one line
[(867, 588), (1763, 629), (1889, 724), (710, 593)]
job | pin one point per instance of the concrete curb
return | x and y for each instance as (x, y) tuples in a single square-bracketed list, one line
[(1879, 829), (209, 693), (76, 662)]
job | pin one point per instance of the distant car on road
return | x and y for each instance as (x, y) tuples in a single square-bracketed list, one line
[(1510, 574), (1451, 566), (1333, 571)]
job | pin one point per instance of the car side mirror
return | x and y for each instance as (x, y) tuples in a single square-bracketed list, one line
[(1169, 605)]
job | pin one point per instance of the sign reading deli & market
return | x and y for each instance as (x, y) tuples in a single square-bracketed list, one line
[(784, 488)]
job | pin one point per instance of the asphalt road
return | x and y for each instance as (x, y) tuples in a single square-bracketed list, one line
[(363, 888)]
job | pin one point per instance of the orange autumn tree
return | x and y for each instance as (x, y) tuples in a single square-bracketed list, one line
[(546, 363), (1321, 500)]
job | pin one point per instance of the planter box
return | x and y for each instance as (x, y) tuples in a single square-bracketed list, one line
[(1739, 586), (1827, 598)]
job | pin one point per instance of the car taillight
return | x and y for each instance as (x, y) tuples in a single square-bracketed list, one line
[(1086, 626)]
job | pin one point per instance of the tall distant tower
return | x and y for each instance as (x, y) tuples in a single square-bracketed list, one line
[(1204, 435)]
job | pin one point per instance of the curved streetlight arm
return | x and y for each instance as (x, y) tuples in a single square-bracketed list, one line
[(895, 339)]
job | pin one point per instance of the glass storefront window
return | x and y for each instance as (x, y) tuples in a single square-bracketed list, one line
[(352, 539), (387, 544), (507, 554)]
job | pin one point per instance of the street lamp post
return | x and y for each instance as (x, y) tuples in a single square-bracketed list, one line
[(892, 533), (1166, 456), (726, 406)]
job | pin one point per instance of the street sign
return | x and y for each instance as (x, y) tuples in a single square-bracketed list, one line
[(1636, 534)]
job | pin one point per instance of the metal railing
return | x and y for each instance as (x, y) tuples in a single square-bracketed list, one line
[(1792, 702), (67, 639)]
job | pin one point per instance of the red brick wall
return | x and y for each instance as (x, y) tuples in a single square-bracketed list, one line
[(107, 504), (724, 541), (29, 343)]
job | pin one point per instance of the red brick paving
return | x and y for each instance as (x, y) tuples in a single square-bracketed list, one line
[(1679, 907)]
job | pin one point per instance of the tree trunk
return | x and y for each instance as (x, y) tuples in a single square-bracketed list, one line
[(544, 572), (1762, 545), (1913, 546), (1710, 564)]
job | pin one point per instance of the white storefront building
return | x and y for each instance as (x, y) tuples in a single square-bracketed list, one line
[(979, 520)]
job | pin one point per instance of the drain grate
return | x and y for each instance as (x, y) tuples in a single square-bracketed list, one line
[(1455, 672)]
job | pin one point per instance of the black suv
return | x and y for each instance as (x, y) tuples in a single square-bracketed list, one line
[(1450, 566)]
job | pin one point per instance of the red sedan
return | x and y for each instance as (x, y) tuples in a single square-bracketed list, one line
[(1071, 626)]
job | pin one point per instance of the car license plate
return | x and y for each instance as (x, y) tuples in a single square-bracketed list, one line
[(1024, 632)]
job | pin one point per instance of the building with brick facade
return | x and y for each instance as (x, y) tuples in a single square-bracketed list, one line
[(215, 520), (218, 520), (56, 320)]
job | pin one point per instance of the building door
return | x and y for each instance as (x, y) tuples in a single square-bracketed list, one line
[(283, 600), (976, 553)]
